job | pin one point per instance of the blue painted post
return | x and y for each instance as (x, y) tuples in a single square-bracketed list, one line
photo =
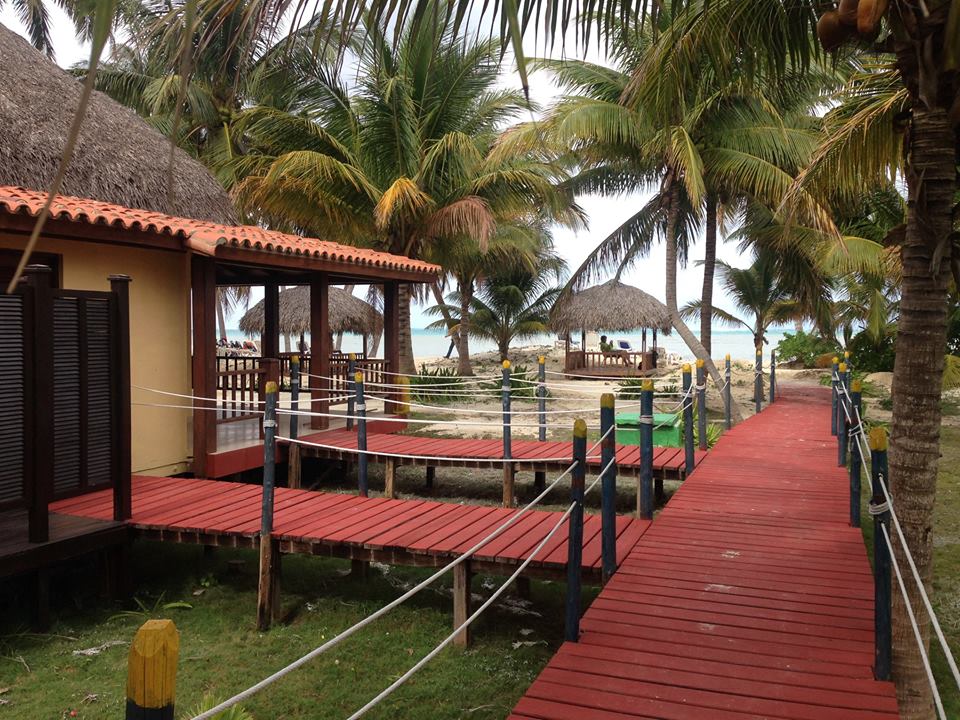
[(856, 461), (701, 404), (728, 395), (294, 396), (361, 410), (758, 381), (645, 489), (773, 376), (508, 473), (608, 486), (842, 436), (351, 390), (834, 380), (540, 476), (687, 420), (575, 537), (846, 359), (882, 629), (269, 552)]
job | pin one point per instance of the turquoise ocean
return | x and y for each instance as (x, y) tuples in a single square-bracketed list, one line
[(433, 343)]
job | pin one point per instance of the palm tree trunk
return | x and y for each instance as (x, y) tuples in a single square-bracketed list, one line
[(463, 349), (221, 316), (447, 318), (917, 376), (405, 339), (671, 292), (709, 266)]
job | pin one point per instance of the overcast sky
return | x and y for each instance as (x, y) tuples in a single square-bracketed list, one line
[(605, 213)]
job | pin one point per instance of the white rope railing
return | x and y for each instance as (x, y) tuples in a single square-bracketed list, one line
[(343, 635)]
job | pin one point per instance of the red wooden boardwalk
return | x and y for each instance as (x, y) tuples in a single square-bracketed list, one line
[(405, 532), (668, 462), (749, 597)]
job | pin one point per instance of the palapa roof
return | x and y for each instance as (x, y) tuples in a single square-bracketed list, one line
[(348, 313), (119, 158), (612, 306)]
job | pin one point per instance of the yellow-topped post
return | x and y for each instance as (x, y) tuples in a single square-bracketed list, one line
[(361, 412), (269, 587), (880, 511), (843, 408), (152, 671), (351, 389), (834, 387), (508, 473), (608, 485), (540, 476), (758, 381), (856, 459), (293, 451), (645, 490), (688, 419), (727, 394), (701, 404), (575, 538)]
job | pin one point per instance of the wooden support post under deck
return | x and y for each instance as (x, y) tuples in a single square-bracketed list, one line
[(359, 569), (462, 576), (431, 474), (390, 478), (523, 587), (204, 291), (319, 348), (508, 482), (293, 466)]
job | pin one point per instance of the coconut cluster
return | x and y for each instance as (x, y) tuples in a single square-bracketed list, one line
[(851, 17)]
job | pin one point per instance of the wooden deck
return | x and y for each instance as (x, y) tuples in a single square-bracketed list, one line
[(668, 462), (749, 597), (403, 532)]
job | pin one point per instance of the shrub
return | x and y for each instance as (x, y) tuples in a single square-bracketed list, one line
[(804, 348), (869, 356)]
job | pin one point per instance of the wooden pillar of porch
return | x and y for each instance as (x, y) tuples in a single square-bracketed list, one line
[(391, 336), (320, 348), (270, 338), (203, 283)]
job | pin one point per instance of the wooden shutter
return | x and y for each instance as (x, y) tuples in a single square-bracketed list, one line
[(11, 401)]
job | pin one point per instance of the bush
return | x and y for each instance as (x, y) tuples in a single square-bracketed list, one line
[(869, 356), (805, 349)]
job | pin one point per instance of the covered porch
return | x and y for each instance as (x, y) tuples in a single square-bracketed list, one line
[(228, 438), (612, 307)]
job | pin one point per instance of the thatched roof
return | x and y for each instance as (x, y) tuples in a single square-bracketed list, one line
[(347, 313), (612, 306), (119, 158)]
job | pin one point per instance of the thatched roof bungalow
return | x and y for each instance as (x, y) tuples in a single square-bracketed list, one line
[(612, 307)]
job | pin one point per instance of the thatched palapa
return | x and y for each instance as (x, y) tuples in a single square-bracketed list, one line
[(348, 313), (611, 306), (119, 158)]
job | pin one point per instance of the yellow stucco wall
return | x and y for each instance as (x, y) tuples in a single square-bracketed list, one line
[(159, 337)]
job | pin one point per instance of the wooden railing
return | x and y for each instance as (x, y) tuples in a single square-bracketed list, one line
[(373, 370), (626, 361), (239, 384)]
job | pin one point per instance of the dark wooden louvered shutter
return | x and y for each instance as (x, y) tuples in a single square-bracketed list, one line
[(66, 390), (11, 401), (99, 428)]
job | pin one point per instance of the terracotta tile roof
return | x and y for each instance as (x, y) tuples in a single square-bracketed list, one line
[(202, 237)]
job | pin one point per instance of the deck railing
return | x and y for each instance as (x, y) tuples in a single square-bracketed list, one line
[(239, 383), (627, 362)]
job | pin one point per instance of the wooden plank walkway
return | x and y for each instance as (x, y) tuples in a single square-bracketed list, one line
[(403, 532), (668, 462), (749, 597)]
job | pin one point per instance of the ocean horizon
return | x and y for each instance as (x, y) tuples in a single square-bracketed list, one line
[(429, 343)]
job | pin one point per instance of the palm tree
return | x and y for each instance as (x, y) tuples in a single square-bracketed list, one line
[(514, 302), (407, 161)]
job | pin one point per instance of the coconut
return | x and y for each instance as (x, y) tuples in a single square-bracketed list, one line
[(869, 14), (831, 32), (848, 12)]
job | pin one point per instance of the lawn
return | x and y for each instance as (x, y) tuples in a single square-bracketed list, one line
[(43, 676)]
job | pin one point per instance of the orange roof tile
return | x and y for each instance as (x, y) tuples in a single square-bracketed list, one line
[(200, 236)]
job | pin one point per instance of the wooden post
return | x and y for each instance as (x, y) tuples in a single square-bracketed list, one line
[(462, 576), (842, 427), (645, 484), (39, 399), (204, 288), (269, 549), (362, 484), (758, 381), (270, 337), (389, 478), (575, 537), (319, 349), (773, 376), (508, 471), (687, 420), (351, 392), (391, 334), (122, 464), (293, 449), (608, 485), (846, 359), (882, 629), (540, 476), (727, 394), (701, 404), (403, 396), (430, 475), (152, 671), (834, 376), (856, 461)]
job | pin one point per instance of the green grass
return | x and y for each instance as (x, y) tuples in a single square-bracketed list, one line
[(221, 652), (946, 562)]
